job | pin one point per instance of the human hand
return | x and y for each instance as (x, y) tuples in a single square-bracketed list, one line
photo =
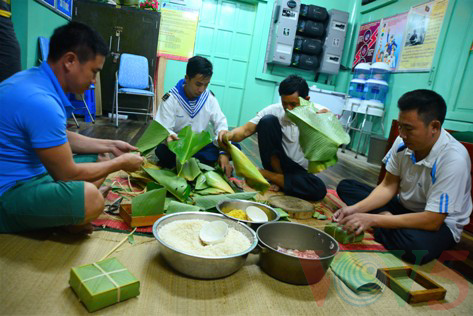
[(172, 138), (222, 136), (103, 157), (118, 148), (323, 111), (343, 212), (131, 162), (224, 163), (358, 222)]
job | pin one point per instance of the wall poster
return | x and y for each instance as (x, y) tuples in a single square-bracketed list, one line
[(366, 42), (422, 33), (61, 7), (390, 39), (177, 32)]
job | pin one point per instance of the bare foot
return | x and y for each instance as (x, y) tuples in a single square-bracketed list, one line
[(80, 229), (274, 188)]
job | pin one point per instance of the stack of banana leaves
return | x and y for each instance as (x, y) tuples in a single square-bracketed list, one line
[(191, 186), (320, 135)]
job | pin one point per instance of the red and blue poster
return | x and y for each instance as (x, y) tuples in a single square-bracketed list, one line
[(366, 43), (391, 38)]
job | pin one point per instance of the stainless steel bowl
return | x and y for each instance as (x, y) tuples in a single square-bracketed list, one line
[(203, 267), (292, 269), (228, 205)]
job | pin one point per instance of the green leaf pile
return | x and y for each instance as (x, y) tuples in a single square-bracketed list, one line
[(189, 143), (320, 135)]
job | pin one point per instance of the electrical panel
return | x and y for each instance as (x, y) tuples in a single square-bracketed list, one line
[(334, 42), (306, 36), (283, 28)]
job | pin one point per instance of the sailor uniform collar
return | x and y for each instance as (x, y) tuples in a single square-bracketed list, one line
[(192, 108)]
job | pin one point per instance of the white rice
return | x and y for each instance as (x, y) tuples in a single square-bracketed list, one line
[(184, 236)]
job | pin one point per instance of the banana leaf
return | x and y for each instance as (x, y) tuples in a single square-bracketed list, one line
[(201, 183), (148, 164), (189, 170), (177, 207), (205, 167), (150, 186), (210, 190), (189, 143), (217, 181), (211, 201), (246, 169), (176, 185), (168, 201), (152, 137), (149, 203), (320, 135), (140, 175)]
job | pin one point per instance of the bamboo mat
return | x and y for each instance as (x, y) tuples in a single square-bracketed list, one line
[(35, 272)]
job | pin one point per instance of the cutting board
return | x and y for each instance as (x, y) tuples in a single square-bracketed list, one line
[(295, 207)]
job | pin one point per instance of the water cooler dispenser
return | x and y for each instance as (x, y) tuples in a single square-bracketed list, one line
[(367, 90)]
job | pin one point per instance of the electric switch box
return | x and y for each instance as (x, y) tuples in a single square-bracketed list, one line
[(334, 42), (283, 31)]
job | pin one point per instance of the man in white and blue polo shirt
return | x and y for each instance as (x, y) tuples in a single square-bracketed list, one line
[(424, 200)]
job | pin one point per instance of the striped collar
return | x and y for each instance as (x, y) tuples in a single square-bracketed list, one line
[(192, 107)]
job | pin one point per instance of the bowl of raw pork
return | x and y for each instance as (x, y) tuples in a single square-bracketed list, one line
[(180, 245), (295, 253)]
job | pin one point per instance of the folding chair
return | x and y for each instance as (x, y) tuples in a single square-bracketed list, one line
[(44, 51), (133, 78)]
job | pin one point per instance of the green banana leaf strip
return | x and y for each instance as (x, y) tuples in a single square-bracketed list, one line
[(211, 201), (189, 170), (149, 203), (189, 143), (281, 212), (150, 186), (177, 186), (320, 134), (246, 169), (152, 137), (201, 183), (167, 201), (215, 180), (210, 190), (177, 207), (205, 167)]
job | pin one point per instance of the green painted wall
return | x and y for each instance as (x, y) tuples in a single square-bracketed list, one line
[(30, 20), (260, 87), (454, 32)]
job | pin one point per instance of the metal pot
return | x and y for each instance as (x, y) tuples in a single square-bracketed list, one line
[(228, 205), (203, 267), (292, 269)]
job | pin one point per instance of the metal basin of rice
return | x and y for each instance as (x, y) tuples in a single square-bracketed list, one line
[(289, 268), (203, 267)]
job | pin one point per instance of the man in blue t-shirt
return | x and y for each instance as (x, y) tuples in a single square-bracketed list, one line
[(41, 183)]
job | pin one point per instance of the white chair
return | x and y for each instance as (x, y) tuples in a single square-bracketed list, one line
[(133, 78)]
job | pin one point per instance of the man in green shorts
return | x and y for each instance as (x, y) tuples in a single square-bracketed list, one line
[(41, 183)]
